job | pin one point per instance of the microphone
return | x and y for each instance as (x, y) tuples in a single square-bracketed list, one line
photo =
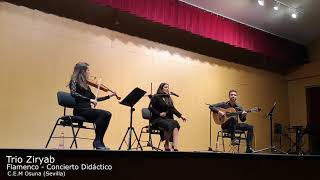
[(272, 109), (172, 93)]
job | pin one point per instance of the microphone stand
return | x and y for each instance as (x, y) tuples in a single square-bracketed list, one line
[(210, 144), (210, 129), (272, 148)]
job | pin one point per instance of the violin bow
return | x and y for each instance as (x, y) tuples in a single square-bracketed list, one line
[(99, 84)]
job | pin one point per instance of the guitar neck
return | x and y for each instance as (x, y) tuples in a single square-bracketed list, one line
[(237, 113)]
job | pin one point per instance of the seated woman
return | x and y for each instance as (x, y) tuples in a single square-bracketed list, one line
[(84, 98), (162, 110)]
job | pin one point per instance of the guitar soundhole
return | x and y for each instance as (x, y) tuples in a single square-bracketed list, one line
[(220, 119)]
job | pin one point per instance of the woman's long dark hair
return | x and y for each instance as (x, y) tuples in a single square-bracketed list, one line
[(167, 98), (79, 74)]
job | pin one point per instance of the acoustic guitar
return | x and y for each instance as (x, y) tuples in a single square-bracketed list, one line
[(218, 119)]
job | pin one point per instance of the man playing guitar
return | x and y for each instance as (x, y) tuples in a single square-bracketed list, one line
[(231, 123)]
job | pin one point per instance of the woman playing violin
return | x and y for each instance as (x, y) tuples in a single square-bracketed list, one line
[(84, 98)]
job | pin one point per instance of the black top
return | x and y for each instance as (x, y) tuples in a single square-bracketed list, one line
[(226, 105), (82, 96), (159, 105)]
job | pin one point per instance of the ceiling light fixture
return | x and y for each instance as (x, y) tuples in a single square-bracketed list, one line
[(294, 15), (278, 4), (261, 2)]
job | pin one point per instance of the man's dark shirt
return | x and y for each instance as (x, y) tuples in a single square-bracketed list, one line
[(226, 105)]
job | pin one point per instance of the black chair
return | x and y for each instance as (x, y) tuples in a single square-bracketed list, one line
[(150, 130), (74, 122), (239, 134)]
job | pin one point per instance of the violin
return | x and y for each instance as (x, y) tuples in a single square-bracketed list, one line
[(102, 87)]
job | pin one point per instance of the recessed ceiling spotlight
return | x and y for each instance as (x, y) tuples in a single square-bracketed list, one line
[(261, 2), (276, 6), (294, 15)]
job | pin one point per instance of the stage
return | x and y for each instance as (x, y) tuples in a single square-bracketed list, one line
[(154, 165)]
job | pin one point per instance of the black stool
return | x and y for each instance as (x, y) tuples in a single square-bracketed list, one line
[(239, 134), (75, 122), (150, 130)]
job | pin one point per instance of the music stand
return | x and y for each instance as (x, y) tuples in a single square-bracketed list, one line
[(132, 98), (299, 132), (272, 148)]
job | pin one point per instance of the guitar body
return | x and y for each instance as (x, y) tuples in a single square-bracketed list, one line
[(218, 119)]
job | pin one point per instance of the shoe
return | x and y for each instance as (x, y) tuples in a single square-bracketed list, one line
[(166, 149), (250, 150), (98, 145), (66, 122), (235, 142), (107, 148), (174, 149), (80, 124)]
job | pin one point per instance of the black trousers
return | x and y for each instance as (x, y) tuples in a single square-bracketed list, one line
[(232, 124), (101, 118)]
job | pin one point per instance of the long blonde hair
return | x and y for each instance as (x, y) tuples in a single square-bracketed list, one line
[(79, 74)]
